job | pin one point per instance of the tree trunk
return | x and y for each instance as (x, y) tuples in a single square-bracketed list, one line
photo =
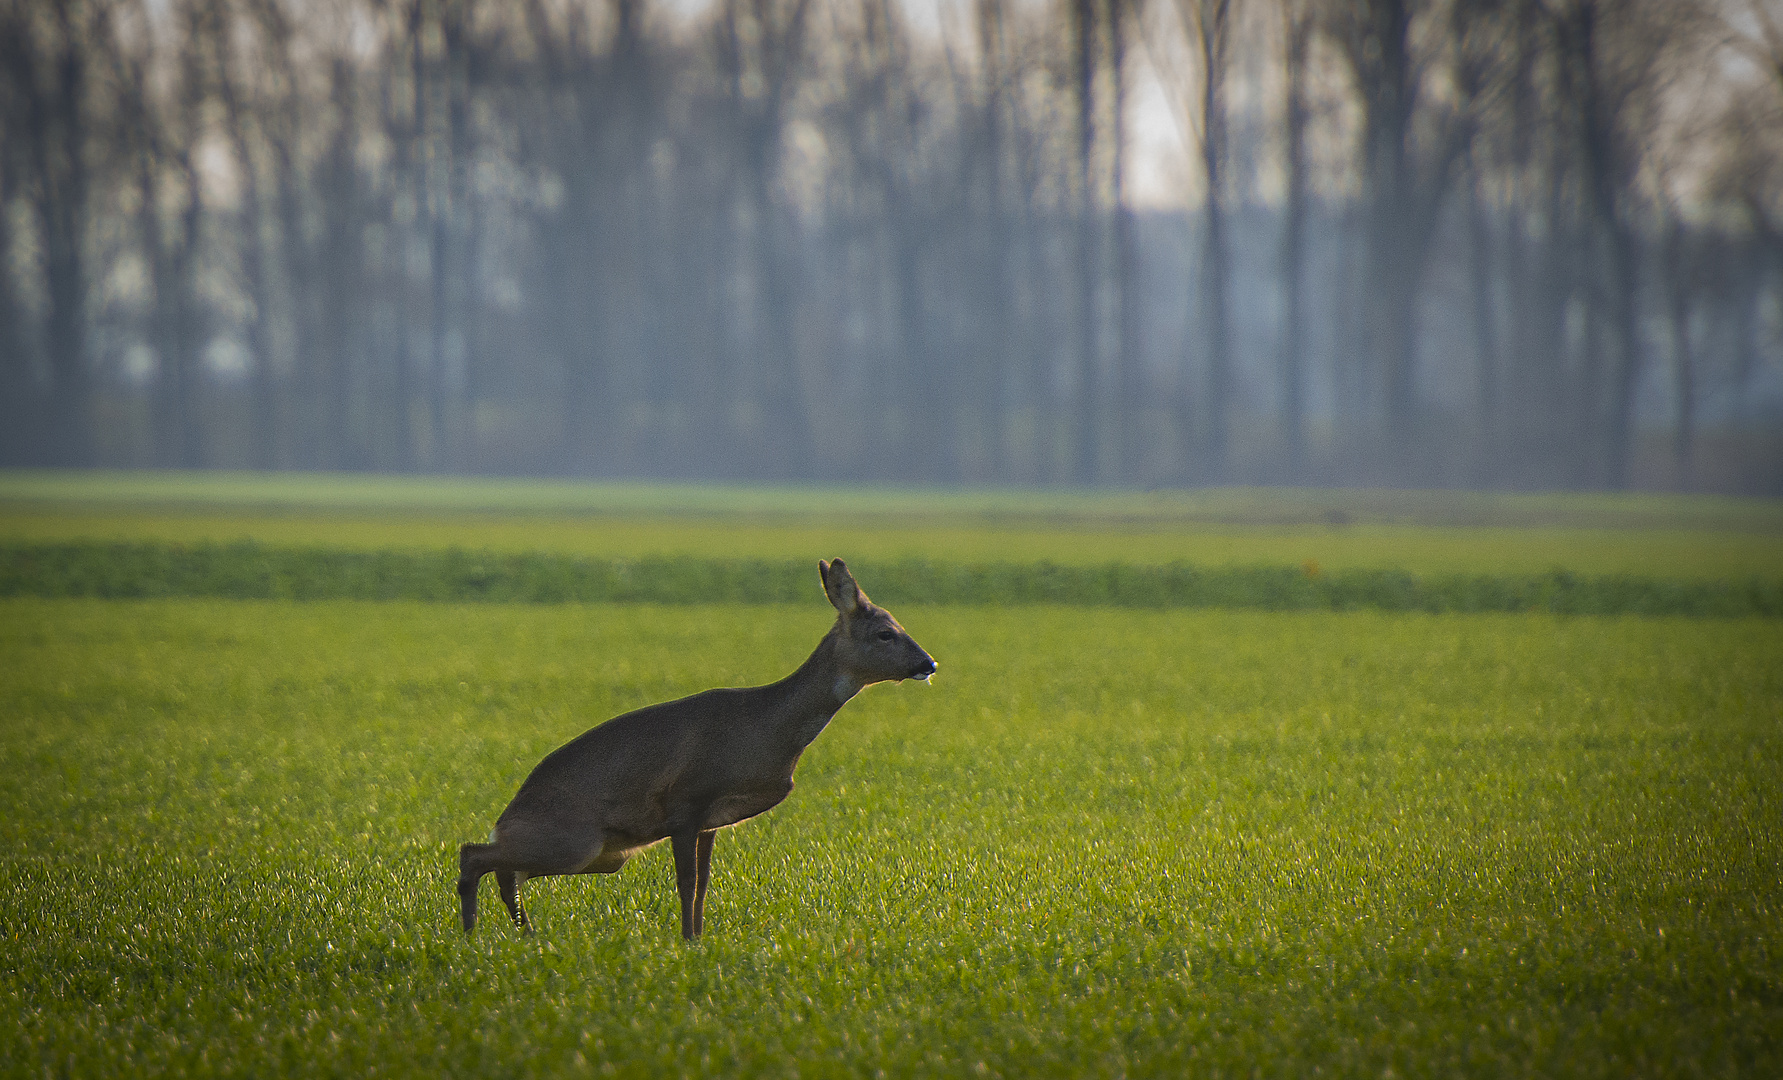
[(263, 414), (1126, 374), (1291, 259), (1216, 257), (998, 326), (172, 258), (341, 264), (1084, 435), (1485, 329), (1679, 263), (56, 138), (786, 430), (19, 405)]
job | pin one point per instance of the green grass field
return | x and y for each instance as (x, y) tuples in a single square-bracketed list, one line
[(1103, 843)]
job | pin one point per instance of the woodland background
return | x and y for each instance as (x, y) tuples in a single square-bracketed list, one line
[(1500, 244)]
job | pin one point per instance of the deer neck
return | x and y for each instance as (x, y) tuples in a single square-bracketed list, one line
[(809, 697)]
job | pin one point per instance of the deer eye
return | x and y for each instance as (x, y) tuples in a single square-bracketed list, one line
[(886, 635)]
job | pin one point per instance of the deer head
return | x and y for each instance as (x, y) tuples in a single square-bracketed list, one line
[(870, 645)]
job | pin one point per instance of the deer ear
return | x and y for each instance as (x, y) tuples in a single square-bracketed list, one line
[(839, 586)]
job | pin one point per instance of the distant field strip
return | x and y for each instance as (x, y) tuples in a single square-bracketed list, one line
[(1426, 533), (1672, 553), (310, 493), (249, 570)]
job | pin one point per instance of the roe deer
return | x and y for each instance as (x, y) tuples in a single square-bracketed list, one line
[(685, 769)]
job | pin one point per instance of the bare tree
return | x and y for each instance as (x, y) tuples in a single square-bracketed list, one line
[(1002, 216), (440, 53), (1087, 35), (1209, 24), (1298, 28), (1615, 71), (20, 440), (1747, 178), (1481, 277), (762, 53), (1123, 20), (580, 138), (1682, 262), (166, 130), (1411, 141), (240, 88), (55, 55), (1491, 70)]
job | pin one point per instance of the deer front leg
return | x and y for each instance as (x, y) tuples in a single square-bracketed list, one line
[(686, 880), (703, 865)]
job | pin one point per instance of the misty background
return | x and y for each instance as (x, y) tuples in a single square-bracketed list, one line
[(1507, 243)]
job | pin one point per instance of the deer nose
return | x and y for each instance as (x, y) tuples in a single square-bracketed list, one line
[(926, 668)]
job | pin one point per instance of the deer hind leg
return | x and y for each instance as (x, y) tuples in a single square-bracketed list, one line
[(521, 850), (474, 860), (510, 882)]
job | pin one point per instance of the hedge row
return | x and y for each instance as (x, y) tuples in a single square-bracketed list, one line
[(254, 571)]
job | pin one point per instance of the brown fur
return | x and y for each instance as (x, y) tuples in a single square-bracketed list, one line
[(684, 769)]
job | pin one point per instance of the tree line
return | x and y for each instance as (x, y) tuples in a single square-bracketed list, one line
[(1502, 243)]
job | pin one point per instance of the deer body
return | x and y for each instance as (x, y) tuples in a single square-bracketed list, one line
[(682, 770)]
